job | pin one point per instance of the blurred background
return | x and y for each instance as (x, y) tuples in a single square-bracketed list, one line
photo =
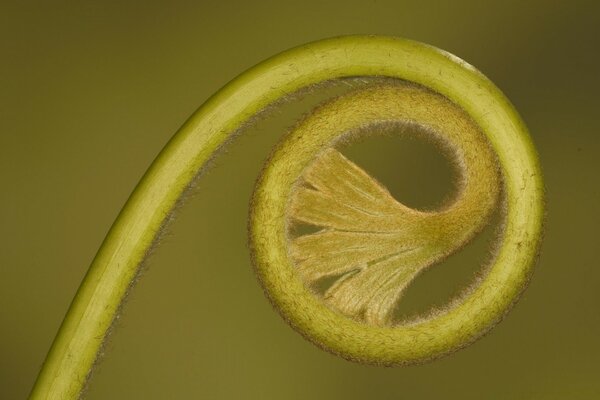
[(91, 91)]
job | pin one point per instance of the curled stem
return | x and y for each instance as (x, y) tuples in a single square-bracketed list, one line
[(374, 245), (96, 303)]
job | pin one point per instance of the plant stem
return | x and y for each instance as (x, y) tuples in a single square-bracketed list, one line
[(96, 303)]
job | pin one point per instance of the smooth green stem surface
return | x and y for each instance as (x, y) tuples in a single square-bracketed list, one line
[(96, 303)]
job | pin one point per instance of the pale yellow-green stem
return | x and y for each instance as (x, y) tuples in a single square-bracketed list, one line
[(93, 309)]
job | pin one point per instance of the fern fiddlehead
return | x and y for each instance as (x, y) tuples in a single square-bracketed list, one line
[(376, 244)]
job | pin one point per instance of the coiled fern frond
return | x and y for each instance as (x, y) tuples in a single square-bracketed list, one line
[(374, 245)]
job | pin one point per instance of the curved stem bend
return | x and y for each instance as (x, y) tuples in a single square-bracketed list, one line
[(93, 309)]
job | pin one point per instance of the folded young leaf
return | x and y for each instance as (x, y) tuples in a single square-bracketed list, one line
[(375, 245)]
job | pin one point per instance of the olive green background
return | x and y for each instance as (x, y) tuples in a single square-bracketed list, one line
[(91, 91)]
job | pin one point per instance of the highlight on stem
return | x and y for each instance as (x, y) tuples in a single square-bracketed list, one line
[(369, 243)]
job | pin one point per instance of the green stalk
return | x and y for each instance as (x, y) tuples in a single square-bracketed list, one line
[(96, 303)]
